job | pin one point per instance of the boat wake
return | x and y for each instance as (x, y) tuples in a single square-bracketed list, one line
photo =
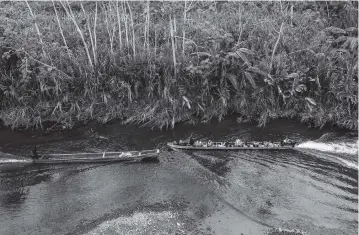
[(348, 163), (141, 223), (6, 160), (331, 147), (9, 158), (344, 152)]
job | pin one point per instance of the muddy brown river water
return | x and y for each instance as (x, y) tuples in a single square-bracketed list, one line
[(313, 188)]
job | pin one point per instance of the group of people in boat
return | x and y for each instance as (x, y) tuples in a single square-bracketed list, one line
[(236, 143)]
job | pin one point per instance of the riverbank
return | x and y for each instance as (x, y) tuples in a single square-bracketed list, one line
[(162, 63)]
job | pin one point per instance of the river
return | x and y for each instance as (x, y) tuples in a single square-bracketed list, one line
[(313, 189)]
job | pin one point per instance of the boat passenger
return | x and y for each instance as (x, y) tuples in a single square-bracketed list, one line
[(209, 143), (34, 154), (181, 142), (286, 141), (238, 143), (191, 141), (248, 144)]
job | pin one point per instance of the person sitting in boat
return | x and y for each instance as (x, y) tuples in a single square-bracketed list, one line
[(209, 143), (221, 144), (238, 143), (255, 144), (191, 141), (287, 142), (269, 144)]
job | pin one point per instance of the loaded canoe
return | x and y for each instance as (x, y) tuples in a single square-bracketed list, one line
[(189, 147), (104, 157)]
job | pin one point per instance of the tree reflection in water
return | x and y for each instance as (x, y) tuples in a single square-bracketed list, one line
[(15, 182)]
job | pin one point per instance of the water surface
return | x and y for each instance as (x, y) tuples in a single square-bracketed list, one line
[(314, 188)]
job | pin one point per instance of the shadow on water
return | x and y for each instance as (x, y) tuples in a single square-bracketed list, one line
[(16, 179), (13, 192), (216, 162)]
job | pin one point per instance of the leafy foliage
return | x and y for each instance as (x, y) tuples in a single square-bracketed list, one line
[(160, 63)]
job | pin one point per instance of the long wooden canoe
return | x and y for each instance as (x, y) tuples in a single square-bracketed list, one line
[(96, 157), (190, 147)]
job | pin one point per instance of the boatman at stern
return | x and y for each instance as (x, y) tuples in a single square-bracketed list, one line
[(34, 154)]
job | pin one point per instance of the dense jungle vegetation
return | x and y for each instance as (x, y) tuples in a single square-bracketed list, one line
[(159, 63)]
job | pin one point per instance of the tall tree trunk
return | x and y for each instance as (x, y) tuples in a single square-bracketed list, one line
[(61, 32), (119, 25), (90, 34), (173, 47), (184, 28), (37, 29), (133, 31), (72, 17)]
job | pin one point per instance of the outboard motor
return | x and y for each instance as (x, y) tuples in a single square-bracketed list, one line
[(289, 142)]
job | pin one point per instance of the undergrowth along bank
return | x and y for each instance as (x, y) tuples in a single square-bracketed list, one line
[(159, 63)]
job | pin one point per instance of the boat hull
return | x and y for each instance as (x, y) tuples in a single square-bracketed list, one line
[(212, 148), (106, 157)]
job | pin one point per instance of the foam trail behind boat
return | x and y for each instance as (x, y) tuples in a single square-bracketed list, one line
[(348, 163), (10, 158), (339, 147), (345, 152)]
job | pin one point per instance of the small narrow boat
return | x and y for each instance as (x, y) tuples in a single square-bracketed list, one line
[(232, 146), (104, 157)]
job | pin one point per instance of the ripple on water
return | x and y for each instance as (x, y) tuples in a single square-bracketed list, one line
[(165, 222)]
